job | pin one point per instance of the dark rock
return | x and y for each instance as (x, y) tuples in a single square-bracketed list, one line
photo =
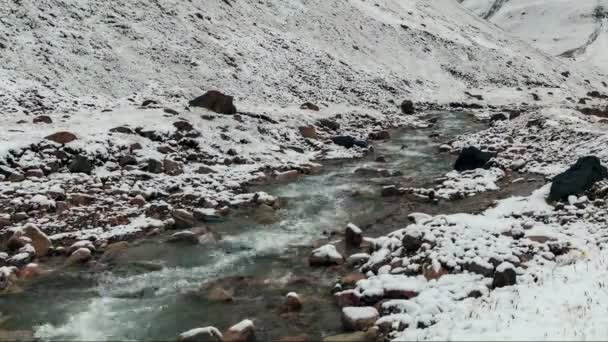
[(504, 277), (407, 107), (146, 103), (172, 168), (380, 135), (170, 111), (122, 129), (215, 101), (43, 119), (390, 191), (412, 243), (498, 117), (127, 160), (535, 97), (348, 141), (353, 235), (154, 166), (62, 137), (183, 125), (328, 123), (578, 178), (472, 158), (310, 106), (80, 164)]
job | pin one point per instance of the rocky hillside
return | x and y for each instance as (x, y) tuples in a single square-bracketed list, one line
[(577, 32), (68, 54)]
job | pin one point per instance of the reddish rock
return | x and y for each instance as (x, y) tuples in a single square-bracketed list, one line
[(215, 101), (172, 168), (351, 279), (31, 270), (431, 272), (348, 298), (308, 132), (62, 137), (293, 303), (40, 241), (34, 173), (81, 255), (287, 176)]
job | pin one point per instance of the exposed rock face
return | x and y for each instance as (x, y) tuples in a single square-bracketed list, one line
[(578, 178), (215, 101), (472, 158)]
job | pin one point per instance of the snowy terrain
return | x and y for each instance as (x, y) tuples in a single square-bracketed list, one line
[(134, 160), (577, 31)]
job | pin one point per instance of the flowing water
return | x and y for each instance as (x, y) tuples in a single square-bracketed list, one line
[(258, 263)]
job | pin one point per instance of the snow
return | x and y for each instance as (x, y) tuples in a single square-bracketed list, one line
[(242, 326), (354, 228), (207, 331), (327, 251), (359, 313)]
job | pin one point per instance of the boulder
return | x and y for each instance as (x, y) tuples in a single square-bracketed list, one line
[(31, 270), (183, 126), (153, 166), (348, 141), (40, 240), (293, 302), (308, 132), (407, 107), (81, 244), (5, 220), (329, 124), (172, 168), (380, 135), (504, 276), (34, 173), (114, 251), (325, 256), (81, 255), (43, 119), (216, 102), (472, 158), (353, 235), (80, 164), (578, 178), (183, 218), (348, 298), (359, 318), (241, 332), (184, 237), (8, 280), (498, 117), (207, 334), (390, 190), (310, 106), (62, 137)]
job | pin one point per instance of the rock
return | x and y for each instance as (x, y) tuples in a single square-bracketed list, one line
[(216, 102), (207, 334), (381, 159), (348, 141), (219, 294), (504, 276), (34, 173), (81, 244), (372, 172), (407, 107), (359, 318), (16, 177), (122, 129), (297, 338), (8, 282), (380, 135), (370, 335), (40, 241), (308, 132), (265, 214), (310, 106), (389, 191), (353, 235), (328, 123), (241, 332), (183, 218), (127, 160), (5, 220), (578, 178), (17, 241), (183, 125), (43, 119), (325, 256), (498, 117), (31, 270), (433, 272), (472, 158), (114, 251), (148, 102), (351, 279), (62, 137), (348, 298), (153, 166), (184, 237), (172, 168), (170, 111), (418, 217), (23, 257), (204, 170), (80, 255), (411, 242), (293, 303), (287, 176), (445, 148), (80, 164)]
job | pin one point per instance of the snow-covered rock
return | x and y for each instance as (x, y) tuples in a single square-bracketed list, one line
[(207, 334), (359, 318), (326, 255)]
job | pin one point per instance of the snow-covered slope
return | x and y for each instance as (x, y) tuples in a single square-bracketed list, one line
[(569, 29), (61, 54)]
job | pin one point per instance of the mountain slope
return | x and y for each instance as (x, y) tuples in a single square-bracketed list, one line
[(578, 32), (55, 52)]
